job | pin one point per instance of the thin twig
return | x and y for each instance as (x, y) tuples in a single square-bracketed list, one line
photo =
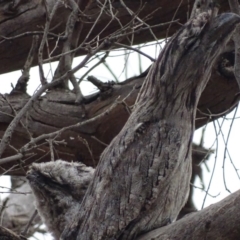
[(174, 15), (102, 60), (140, 20), (72, 33), (85, 142), (213, 171), (21, 85), (98, 140), (3, 206), (135, 49), (46, 30), (114, 36), (15, 114), (200, 188), (110, 71), (77, 90), (32, 33), (50, 141), (24, 232), (226, 151)]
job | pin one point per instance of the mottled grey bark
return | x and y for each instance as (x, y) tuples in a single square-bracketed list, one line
[(142, 179)]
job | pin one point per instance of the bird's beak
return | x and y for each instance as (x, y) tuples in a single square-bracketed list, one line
[(221, 26)]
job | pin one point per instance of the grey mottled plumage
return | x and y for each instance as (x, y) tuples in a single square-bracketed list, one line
[(58, 188), (142, 179)]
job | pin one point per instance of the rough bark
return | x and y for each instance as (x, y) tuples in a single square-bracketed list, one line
[(210, 223), (19, 207)]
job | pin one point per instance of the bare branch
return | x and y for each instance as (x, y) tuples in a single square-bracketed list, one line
[(44, 38), (21, 85), (136, 50)]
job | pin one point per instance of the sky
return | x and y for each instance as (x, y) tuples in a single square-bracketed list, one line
[(221, 170)]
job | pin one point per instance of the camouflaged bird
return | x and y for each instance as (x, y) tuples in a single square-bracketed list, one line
[(142, 180)]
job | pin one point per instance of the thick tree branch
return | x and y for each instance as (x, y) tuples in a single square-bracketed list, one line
[(29, 16), (19, 207), (218, 221)]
